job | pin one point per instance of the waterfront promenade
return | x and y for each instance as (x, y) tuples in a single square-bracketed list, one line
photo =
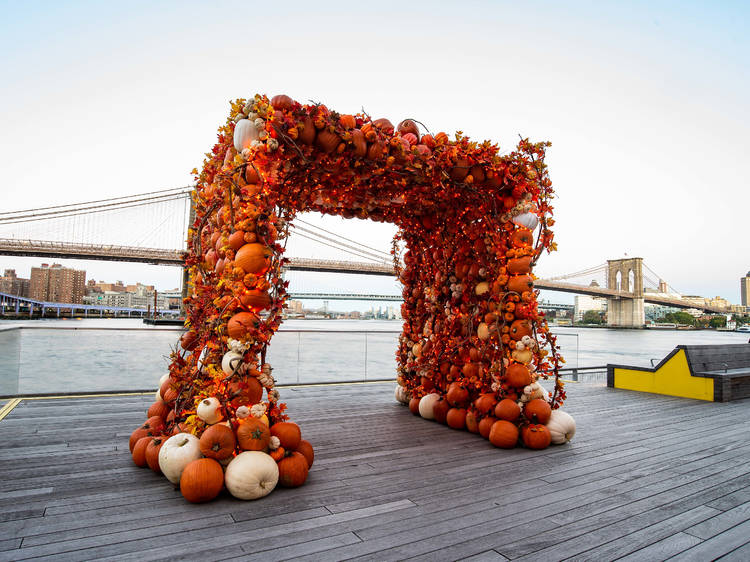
[(647, 477)]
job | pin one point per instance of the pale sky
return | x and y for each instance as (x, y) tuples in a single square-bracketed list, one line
[(644, 103)]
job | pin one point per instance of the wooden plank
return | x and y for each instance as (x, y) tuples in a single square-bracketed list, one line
[(721, 522), (294, 551), (663, 549), (718, 545)]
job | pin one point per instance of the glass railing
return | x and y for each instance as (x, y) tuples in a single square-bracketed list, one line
[(60, 360)]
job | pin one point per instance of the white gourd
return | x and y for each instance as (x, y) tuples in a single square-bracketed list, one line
[(176, 453), (427, 405), (209, 410), (231, 362), (482, 288), (483, 331), (529, 220), (245, 132), (401, 395), (562, 427), (251, 475)]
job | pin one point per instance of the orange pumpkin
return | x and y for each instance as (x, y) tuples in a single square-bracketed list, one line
[(347, 121), (522, 238), (237, 240), (282, 102), (440, 410), (307, 451), (457, 395), (278, 454), (189, 340), (485, 426), (251, 175), (201, 480), (244, 391), (241, 323), (384, 125), (472, 422), (518, 266), (256, 300), (408, 126), (537, 411), (218, 442), (158, 409), (139, 451), (504, 434), (170, 396), (327, 141), (288, 433), (485, 403), (536, 436), (521, 328), (152, 453), (507, 410), (293, 470), (307, 130), (517, 375), (135, 436), (359, 142), (253, 258), (520, 283), (253, 435), (414, 406), (456, 418)]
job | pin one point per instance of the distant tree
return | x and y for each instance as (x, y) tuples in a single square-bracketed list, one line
[(718, 322), (592, 317), (678, 318)]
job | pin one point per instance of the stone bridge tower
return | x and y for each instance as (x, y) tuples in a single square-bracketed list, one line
[(625, 311)]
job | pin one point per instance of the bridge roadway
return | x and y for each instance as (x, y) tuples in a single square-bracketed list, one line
[(66, 250)]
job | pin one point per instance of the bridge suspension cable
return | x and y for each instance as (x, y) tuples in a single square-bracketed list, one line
[(90, 207), (340, 245), (584, 272), (660, 278), (386, 255)]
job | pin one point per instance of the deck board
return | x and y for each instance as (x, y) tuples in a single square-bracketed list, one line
[(646, 477)]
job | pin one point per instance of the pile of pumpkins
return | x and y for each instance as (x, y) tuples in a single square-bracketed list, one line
[(505, 422), (244, 455)]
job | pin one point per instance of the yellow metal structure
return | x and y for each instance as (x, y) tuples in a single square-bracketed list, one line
[(672, 377)]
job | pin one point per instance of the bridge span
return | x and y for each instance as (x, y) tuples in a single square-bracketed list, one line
[(625, 303)]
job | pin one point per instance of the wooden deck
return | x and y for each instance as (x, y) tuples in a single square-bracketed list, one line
[(647, 477)]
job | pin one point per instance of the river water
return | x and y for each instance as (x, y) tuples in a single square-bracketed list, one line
[(125, 354)]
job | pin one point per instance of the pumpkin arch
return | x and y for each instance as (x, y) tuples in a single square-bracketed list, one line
[(474, 222)]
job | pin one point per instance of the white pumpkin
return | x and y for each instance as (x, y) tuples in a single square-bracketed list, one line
[(483, 331), (427, 405), (231, 362), (562, 427), (529, 220), (245, 132), (176, 453), (401, 394), (209, 410), (163, 378), (251, 475), (158, 395), (482, 288)]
